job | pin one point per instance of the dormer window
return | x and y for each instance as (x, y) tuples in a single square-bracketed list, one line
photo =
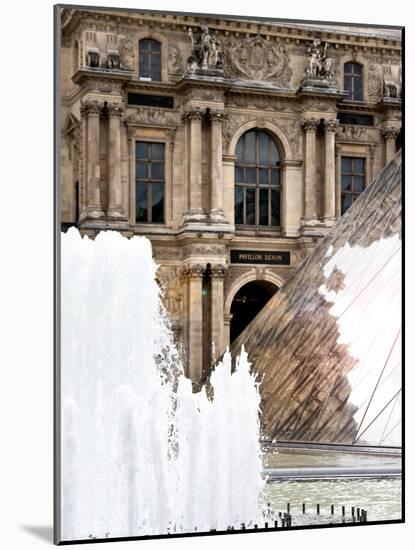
[(353, 81), (149, 59)]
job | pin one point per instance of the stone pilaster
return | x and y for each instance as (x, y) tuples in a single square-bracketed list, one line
[(193, 277), (216, 168), (329, 206), (90, 113), (310, 195), (389, 134), (115, 112), (195, 212), (218, 274)]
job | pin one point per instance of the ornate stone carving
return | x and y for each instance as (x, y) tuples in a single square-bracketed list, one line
[(230, 126), (310, 124), (204, 250), (193, 272), (352, 133), (90, 107), (218, 271), (152, 117), (330, 125), (103, 85), (174, 60), (126, 51), (115, 109), (167, 253), (258, 59), (206, 53), (389, 132), (374, 82), (193, 115), (292, 131), (319, 106), (319, 71), (392, 81)]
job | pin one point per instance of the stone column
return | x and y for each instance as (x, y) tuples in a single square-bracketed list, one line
[(292, 197), (91, 110), (390, 134), (114, 162), (338, 181), (310, 198), (195, 212), (329, 212), (194, 277), (227, 329), (216, 169), (218, 274)]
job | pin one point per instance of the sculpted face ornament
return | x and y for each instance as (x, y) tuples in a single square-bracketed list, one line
[(206, 54)]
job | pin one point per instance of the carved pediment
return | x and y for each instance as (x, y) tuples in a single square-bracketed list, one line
[(259, 60)]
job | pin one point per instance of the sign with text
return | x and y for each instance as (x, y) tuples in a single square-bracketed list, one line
[(260, 257)]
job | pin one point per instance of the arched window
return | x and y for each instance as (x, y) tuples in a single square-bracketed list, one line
[(149, 59), (257, 180), (353, 81)]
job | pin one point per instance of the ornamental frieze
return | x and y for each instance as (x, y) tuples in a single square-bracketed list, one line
[(258, 59), (174, 60), (204, 250), (152, 116)]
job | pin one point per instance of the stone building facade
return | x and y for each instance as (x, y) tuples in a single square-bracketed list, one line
[(232, 144)]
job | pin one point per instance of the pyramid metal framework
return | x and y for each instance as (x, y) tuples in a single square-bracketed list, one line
[(327, 346)]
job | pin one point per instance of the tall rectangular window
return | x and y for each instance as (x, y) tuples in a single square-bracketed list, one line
[(149, 59), (352, 180), (149, 182), (353, 81)]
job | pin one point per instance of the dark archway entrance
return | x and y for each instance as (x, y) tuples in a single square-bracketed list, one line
[(247, 303)]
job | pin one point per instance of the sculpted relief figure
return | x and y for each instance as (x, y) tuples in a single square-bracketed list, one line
[(319, 63), (206, 54)]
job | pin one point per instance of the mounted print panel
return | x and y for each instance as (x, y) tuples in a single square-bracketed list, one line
[(229, 247)]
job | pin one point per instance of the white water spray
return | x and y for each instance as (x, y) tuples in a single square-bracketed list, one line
[(141, 453)]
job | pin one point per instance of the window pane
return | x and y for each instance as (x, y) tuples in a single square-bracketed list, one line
[(263, 207), (275, 208), (358, 166), (275, 177), (240, 150), (250, 175), (157, 151), (348, 85), (357, 69), (263, 176), (155, 68), (348, 68), (239, 174), (141, 202), (357, 92), (144, 44), (239, 205), (157, 196), (346, 202), (250, 206), (144, 64), (250, 154), (141, 150), (274, 156), (157, 171), (141, 172), (346, 164), (358, 184), (155, 46), (263, 148), (346, 183)]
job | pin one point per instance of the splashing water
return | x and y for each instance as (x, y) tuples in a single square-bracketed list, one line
[(141, 453)]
